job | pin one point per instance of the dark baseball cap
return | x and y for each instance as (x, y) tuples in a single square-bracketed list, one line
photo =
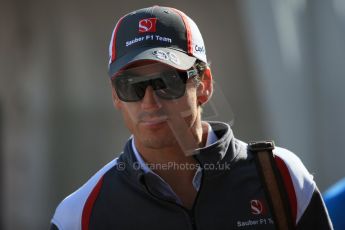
[(162, 34)]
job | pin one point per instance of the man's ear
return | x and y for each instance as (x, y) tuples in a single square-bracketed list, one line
[(205, 88), (116, 101)]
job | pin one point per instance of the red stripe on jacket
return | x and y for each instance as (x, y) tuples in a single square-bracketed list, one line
[(284, 171), (89, 205)]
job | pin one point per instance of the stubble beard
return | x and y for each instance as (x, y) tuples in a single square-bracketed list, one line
[(158, 141)]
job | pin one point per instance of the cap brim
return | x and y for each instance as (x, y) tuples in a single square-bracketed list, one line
[(169, 56)]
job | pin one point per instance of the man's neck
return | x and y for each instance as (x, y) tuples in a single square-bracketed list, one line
[(180, 176)]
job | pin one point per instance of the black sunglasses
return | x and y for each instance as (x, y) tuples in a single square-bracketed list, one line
[(167, 84)]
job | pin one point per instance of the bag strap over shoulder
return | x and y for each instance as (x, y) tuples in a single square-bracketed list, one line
[(273, 183)]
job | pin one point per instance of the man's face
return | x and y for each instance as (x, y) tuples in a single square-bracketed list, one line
[(162, 123)]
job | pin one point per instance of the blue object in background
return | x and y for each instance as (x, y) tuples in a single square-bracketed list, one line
[(335, 201)]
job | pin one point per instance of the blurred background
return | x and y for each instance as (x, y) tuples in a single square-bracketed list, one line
[(278, 66)]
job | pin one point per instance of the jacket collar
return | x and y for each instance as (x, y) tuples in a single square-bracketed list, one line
[(214, 159)]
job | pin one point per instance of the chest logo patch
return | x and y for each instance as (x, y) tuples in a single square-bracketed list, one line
[(256, 207)]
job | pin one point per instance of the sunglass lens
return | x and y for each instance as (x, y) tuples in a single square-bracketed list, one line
[(167, 85), (129, 91), (171, 85)]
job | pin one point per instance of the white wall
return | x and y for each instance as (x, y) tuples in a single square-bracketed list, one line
[(298, 53)]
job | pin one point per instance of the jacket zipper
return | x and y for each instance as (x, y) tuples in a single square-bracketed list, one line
[(190, 212)]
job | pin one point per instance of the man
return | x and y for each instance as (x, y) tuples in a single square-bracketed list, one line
[(177, 171)]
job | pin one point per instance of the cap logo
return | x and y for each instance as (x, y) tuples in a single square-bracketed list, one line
[(147, 25), (162, 55), (173, 58), (200, 49)]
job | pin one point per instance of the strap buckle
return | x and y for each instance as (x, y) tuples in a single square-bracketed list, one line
[(257, 146)]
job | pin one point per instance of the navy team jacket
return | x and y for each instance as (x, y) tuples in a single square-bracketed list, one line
[(122, 197)]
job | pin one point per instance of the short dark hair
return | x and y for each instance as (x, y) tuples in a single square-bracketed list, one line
[(200, 67)]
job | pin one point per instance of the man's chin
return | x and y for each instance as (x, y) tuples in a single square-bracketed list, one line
[(158, 141)]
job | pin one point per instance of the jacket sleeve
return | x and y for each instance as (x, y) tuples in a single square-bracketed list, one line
[(307, 206), (315, 216)]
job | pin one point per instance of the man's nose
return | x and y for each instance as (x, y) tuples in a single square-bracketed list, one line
[(150, 100)]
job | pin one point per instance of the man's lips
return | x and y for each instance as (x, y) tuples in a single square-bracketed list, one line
[(153, 120)]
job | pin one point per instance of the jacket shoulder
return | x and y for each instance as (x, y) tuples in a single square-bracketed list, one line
[(298, 181), (68, 214), (303, 184)]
